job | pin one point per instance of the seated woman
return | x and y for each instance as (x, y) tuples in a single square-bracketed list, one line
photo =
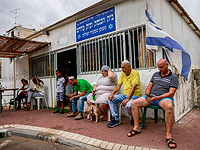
[(36, 92), (24, 89), (103, 88)]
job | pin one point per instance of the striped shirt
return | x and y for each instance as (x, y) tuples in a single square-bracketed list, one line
[(161, 85)]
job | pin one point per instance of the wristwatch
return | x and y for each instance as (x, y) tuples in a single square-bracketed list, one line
[(73, 97)]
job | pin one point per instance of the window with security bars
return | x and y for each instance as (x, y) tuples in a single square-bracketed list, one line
[(40, 66), (112, 49)]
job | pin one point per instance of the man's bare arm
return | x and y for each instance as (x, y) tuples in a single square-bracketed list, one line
[(117, 88)]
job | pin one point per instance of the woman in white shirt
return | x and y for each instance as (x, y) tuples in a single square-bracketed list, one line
[(36, 92), (103, 88)]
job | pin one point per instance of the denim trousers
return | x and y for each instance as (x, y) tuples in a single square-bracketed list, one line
[(118, 99), (81, 103)]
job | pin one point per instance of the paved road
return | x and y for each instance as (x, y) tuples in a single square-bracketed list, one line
[(21, 143)]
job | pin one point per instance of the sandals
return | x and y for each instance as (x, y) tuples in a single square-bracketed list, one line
[(135, 132), (171, 141)]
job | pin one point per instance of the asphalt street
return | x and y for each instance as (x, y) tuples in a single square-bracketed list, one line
[(21, 143)]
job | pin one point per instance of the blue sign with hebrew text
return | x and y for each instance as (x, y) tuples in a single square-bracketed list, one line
[(97, 24)]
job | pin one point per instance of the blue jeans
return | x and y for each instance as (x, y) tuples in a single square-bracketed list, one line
[(118, 99), (81, 103)]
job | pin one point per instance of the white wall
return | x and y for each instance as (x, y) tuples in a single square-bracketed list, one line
[(60, 37), (7, 78), (129, 14)]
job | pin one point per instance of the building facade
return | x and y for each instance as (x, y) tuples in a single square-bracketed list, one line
[(109, 32)]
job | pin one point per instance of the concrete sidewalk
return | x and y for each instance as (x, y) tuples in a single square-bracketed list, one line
[(44, 125)]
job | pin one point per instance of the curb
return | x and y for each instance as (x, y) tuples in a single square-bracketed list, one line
[(66, 138)]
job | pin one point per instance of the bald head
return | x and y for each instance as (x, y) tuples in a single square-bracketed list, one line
[(162, 61), (163, 66)]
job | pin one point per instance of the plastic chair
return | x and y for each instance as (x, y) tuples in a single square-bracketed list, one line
[(119, 105), (12, 99), (155, 113), (38, 99)]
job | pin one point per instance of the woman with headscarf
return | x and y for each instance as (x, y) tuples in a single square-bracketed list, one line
[(103, 88)]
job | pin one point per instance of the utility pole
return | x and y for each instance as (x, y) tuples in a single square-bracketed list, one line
[(15, 12)]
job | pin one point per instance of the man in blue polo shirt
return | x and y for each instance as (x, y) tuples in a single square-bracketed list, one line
[(160, 91)]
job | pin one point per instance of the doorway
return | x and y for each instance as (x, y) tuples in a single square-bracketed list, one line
[(67, 60)]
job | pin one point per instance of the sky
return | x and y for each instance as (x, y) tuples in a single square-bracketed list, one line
[(36, 13)]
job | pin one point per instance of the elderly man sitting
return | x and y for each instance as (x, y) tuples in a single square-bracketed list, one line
[(160, 91), (131, 90)]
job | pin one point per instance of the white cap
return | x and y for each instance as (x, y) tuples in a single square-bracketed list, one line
[(126, 62), (71, 77)]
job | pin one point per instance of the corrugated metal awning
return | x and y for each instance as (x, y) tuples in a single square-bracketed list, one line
[(11, 47)]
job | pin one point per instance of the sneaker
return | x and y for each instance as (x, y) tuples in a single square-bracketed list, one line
[(57, 111), (62, 112), (113, 123), (79, 116), (73, 114)]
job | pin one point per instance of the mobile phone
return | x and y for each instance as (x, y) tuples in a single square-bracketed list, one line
[(149, 95)]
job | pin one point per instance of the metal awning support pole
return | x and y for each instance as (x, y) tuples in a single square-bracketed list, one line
[(50, 74), (14, 80)]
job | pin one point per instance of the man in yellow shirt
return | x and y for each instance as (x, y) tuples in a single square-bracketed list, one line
[(131, 90)]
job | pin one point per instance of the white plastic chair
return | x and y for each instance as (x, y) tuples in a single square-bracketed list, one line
[(39, 101), (119, 105)]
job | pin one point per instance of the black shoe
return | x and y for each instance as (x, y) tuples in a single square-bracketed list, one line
[(18, 108), (113, 123), (62, 112), (57, 111)]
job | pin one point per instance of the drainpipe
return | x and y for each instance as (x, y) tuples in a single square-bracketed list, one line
[(50, 74)]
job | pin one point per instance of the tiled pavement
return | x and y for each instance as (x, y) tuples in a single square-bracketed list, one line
[(186, 133)]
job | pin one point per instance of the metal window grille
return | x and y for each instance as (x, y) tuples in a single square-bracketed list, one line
[(40, 66), (113, 48)]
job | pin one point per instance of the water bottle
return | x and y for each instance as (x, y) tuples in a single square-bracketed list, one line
[(94, 97)]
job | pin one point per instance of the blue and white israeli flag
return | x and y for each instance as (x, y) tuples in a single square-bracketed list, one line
[(174, 52)]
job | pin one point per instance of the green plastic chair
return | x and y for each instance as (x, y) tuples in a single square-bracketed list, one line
[(12, 99), (155, 113)]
